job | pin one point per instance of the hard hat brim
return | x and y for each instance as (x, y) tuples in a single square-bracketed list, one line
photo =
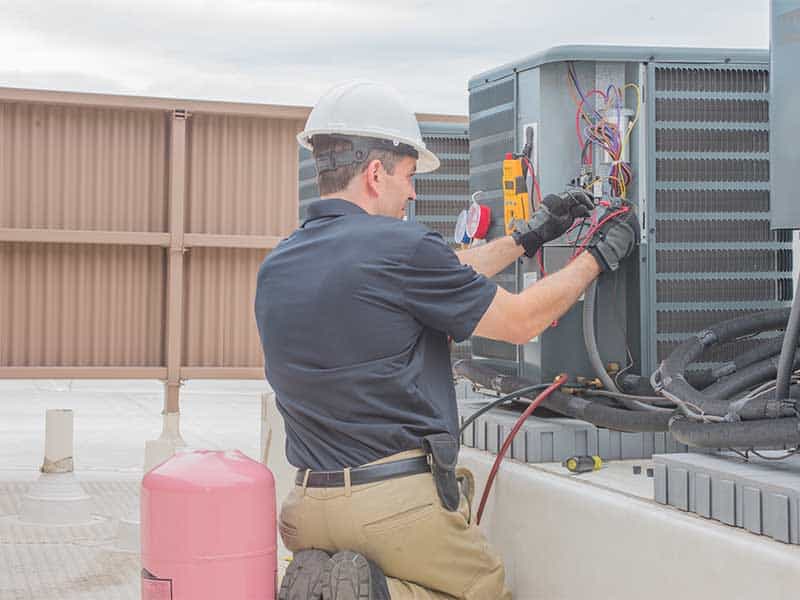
[(427, 161)]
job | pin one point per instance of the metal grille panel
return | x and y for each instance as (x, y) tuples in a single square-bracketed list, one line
[(680, 169), (712, 79), (711, 186), (685, 230), (698, 201), (491, 136), (723, 261), (712, 140), (723, 290), (696, 320), (693, 110)]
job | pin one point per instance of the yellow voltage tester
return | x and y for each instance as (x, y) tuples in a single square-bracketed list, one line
[(516, 202)]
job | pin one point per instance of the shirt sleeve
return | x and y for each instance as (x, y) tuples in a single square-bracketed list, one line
[(442, 293)]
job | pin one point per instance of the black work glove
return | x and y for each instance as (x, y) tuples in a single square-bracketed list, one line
[(615, 240), (552, 219)]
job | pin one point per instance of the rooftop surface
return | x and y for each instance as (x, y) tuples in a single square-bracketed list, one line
[(112, 420)]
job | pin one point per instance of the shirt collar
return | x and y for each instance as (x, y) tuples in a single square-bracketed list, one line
[(333, 207)]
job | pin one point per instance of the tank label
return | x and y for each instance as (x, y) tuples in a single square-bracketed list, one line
[(154, 588)]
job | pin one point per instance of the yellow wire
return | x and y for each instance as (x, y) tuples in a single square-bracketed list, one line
[(591, 183)]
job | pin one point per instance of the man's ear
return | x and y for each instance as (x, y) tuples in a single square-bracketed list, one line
[(373, 174)]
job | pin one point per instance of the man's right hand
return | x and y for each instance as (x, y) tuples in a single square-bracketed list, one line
[(615, 240), (552, 219)]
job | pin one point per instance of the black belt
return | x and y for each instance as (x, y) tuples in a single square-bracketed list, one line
[(367, 474)]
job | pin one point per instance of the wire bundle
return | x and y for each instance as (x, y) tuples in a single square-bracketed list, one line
[(600, 129)]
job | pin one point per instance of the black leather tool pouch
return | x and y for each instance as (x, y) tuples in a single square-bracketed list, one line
[(442, 449)]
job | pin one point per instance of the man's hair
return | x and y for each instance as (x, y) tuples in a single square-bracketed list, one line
[(338, 179)]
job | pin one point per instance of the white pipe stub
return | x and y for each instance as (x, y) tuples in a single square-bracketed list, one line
[(155, 452), (58, 441), (56, 498), (159, 450)]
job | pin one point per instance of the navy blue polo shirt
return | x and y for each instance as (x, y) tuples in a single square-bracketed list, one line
[(354, 311)]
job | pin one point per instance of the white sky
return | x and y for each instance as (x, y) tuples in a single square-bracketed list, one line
[(291, 51)]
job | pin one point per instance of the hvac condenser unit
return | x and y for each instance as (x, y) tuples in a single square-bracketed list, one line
[(698, 155)]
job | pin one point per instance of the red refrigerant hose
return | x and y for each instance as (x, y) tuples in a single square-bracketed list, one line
[(557, 383)]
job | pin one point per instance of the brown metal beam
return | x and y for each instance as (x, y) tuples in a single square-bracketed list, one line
[(442, 118), (208, 240), (83, 373), (66, 236), (175, 268), (272, 111), (222, 373)]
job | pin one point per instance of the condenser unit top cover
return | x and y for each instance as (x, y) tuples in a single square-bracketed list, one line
[(608, 53)]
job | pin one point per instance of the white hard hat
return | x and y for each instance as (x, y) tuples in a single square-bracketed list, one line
[(368, 109)]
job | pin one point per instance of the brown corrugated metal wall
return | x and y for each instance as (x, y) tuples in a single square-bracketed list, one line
[(131, 231)]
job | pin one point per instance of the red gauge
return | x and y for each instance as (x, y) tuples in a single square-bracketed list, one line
[(478, 219)]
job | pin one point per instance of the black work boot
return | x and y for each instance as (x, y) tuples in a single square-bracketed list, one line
[(351, 576), (303, 578)]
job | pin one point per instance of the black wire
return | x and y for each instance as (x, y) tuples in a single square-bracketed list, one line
[(501, 400), (746, 454), (586, 145), (785, 456), (578, 236), (742, 454)]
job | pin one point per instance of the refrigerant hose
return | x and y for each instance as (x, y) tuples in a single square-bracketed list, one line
[(774, 433), (790, 339), (669, 379), (590, 341), (559, 381), (565, 404)]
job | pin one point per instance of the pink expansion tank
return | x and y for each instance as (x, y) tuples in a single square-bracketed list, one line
[(208, 528)]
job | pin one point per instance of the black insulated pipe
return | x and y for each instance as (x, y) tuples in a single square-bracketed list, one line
[(728, 387), (760, 352), (670, 374), (785, 365), (593, 352), (596, 412), (773, 433), (602, 415)]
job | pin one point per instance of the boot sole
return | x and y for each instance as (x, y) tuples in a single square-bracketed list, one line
[(347, 577), (303, 578)]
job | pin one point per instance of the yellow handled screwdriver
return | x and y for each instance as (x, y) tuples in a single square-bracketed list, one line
[(583, 464)]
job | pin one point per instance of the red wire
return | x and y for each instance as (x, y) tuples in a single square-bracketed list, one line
[(535, 182), (594, 228), (557, 383)]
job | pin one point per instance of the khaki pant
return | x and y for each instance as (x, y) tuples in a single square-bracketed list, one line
[(426, 552)]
